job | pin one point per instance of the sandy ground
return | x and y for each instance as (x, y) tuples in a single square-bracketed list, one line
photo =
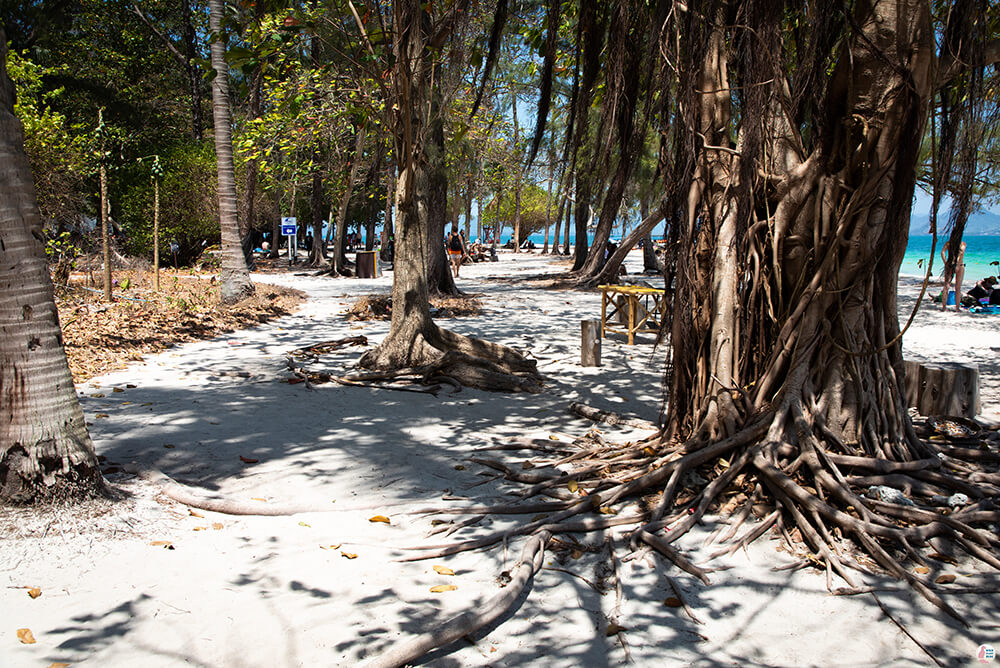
[(282, 591)]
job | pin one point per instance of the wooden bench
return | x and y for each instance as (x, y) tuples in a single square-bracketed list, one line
[(638, 308)]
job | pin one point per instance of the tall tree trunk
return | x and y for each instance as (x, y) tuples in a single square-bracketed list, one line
[(45, 451), (235, 282), (413, 338), (316, 254), (517, 181), (468, 208), (105, 232), (441, 281), (387, 226), (193, 74), (566, 228), (339, 245)]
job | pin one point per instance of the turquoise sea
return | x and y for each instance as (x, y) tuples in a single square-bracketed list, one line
[(980, 251)]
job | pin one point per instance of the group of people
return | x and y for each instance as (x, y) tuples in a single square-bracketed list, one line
[(460, 251)]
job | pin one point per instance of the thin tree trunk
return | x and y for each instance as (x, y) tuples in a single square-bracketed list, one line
[(45, 451), (569, 214), (235, 282), (156, 234), (387, 226), (517, 183), (105, 234), (339, 257), (194, 76)]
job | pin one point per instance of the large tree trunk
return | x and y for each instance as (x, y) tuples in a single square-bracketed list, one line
[(235, 282), (387, 228), (414, 340), (45, 451)]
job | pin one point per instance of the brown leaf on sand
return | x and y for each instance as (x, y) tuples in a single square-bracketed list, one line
[(614, 629), (24, 635), (443, 570), (379, 518), (217, 525), (34, 592), (117, 389), (572, 486), (923, 570), (258, 498), (673, 602), (165, 544), (199, 528), (330, 547), (248, 460), (348, 555), (303, 524), (945, 579), (443, 588), (58, 664), (194, 513)]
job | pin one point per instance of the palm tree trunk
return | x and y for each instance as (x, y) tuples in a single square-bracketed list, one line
[(45, 450), (235, 278)]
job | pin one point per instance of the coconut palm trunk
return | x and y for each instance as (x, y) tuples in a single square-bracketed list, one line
[(45, 450), (235, 278)]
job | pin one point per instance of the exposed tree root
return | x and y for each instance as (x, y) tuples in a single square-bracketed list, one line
[(465, 361), (470, 622), (827, 500)]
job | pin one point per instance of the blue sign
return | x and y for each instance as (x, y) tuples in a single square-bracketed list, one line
[(289, 230)]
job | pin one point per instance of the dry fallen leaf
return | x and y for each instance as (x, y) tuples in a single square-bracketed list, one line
[(194, 513), (459, 467), (34, 592), (248, 460), (58, 664), (379, 518), (945, 579), (443, 570), (348, 555), (607, 510), (576, 554), (922, 570), (117, 389), (330, 547), (24, 635), (165, 544), (649, 451), (217, 525), (101, 415), (435, 523), (553, 437), (169, 446), (442, 588), (614, 629), (97, 396), (303, 524), (572, 486), (673, 602), (257, 498), (199, 528)]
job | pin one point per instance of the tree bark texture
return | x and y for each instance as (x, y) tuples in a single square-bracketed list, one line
[(235, 282), (414, 340), (45, 450)]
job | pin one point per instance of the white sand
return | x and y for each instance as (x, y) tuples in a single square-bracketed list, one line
[(261, 592)]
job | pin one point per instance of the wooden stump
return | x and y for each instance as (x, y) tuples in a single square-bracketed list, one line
[(943, 388), (590, 343)]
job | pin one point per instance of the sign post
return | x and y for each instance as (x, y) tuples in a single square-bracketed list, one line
[(290, 229)]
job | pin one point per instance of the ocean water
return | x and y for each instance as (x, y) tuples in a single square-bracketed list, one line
[(980, 251)]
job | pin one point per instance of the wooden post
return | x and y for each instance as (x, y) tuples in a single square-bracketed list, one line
[(943, 388), (590, 343)]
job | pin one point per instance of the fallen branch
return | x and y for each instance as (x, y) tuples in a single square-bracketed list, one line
[(608, 417)]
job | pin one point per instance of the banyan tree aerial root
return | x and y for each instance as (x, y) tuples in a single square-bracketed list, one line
[(834, 507)]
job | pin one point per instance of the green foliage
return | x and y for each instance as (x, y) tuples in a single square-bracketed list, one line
[(534, 204), (188, 205), (59, 159)]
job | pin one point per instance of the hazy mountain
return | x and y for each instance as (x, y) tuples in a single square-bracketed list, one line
[(983, 223)]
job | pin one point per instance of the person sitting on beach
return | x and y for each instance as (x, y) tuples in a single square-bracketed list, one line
[(983, 288)]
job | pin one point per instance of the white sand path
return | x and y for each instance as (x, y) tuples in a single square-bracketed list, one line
[(262, 591)]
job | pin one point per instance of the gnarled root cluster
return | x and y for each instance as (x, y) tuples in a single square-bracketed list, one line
[(835, 507)]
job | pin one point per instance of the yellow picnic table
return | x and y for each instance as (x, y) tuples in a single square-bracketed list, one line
[(639, 308)]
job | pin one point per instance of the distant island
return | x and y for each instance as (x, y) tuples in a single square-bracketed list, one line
[(985, 223)]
